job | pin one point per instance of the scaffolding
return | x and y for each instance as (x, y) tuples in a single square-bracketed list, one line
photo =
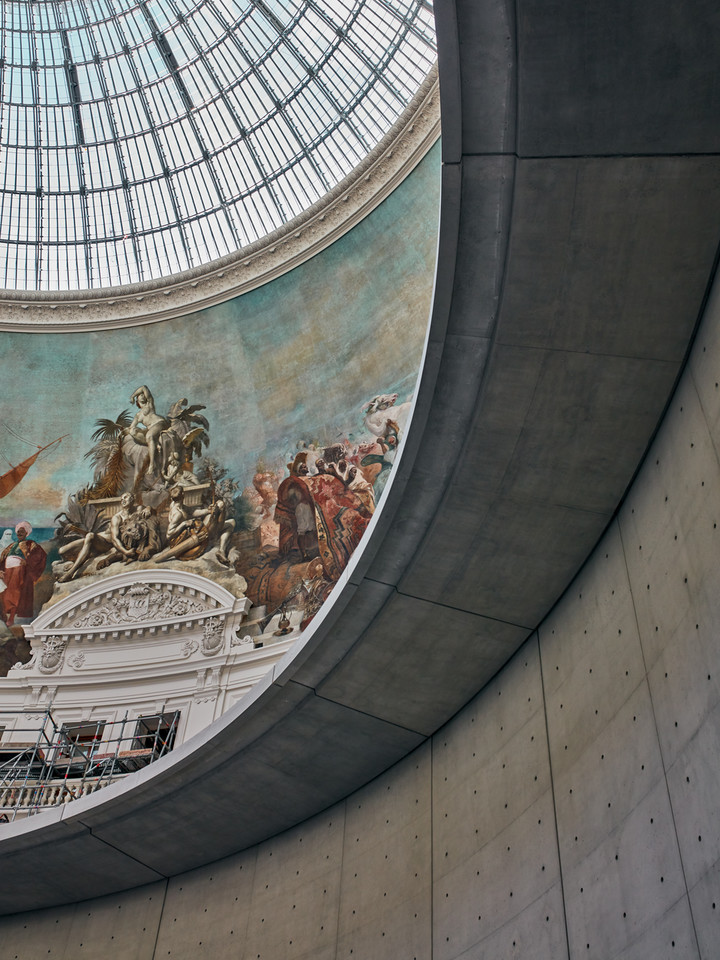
[(44, 764)]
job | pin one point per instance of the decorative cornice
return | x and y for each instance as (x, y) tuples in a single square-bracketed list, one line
[(136, 602), (312, 231)]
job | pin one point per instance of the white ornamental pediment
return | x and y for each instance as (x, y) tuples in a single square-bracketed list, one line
[(141, 602), (137, 601)]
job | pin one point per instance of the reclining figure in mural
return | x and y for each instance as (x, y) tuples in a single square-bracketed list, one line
[(132, 534), (135, 533), (191, 532)]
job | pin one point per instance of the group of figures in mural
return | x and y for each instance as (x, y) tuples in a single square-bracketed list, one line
[(157, 497)]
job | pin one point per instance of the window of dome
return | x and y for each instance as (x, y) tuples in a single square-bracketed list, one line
[(143, 138)]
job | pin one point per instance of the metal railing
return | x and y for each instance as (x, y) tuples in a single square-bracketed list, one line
[(43, 763)]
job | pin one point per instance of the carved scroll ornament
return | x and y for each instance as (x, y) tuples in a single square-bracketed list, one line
[(140, 602)]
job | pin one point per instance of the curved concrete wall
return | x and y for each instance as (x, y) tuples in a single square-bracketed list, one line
[(571, 199), (578, 239), (570, 809)]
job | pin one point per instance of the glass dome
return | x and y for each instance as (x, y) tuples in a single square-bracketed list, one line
[(141, 138)]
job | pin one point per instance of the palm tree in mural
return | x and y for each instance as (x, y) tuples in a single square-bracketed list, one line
[(78, 519), (106, 456), (192, 427)]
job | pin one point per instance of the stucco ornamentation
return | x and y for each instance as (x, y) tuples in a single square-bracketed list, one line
[(212, 640), (241, 641), (140, 602), (189, 647), (207, 685), (52, 654)]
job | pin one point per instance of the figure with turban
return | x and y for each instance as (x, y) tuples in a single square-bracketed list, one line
[(21, 565)]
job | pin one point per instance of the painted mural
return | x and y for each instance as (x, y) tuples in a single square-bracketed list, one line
[(249, 442)]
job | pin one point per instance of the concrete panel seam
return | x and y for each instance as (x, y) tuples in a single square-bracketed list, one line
[(363, 713), (552, 793), (471, 411), (338, 911), (516, 72), (432, 847), (643, 930), (608, 156), (159, 876), (512, 918), (565, 351), (341, 891), (590, 156), (449, 606), (657, 736), (484, 154), (698, 395), (689, 366), (684, 364), (160, 918), (448, 52), (682, 367)]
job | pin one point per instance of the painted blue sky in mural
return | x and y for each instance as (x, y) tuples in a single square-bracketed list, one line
[(294, 360)]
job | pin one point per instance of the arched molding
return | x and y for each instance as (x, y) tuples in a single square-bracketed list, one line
[(137, 600)]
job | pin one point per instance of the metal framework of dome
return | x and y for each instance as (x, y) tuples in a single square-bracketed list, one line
[(141, 138)]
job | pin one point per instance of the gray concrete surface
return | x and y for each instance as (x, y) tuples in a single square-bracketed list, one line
[(569, 810), (579, 232)]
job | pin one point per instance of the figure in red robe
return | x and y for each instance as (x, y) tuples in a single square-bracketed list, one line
[(319, 516), (21, 565)]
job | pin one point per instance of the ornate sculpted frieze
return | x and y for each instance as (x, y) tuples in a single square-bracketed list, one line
[(141, 602)]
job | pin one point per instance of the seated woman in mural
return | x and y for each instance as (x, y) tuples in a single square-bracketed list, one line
[(147, 427), (21, 565)]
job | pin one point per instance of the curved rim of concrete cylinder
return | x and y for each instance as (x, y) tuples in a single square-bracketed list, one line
[(110, 823)]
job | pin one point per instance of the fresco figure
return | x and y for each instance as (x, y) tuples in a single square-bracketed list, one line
[(190, 533), (147, 426), (295, 513), (156, 497), (174, 474), (21, 565), (134, 532), (378, 411), (378, 457), (87, 547), (6, 539), (321, 515)]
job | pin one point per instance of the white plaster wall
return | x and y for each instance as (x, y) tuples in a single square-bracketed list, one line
[(570, 810)]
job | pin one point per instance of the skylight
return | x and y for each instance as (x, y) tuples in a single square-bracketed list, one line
[(141, 138)]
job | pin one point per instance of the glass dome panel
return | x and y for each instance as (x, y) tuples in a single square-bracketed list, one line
[(140, 138)]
